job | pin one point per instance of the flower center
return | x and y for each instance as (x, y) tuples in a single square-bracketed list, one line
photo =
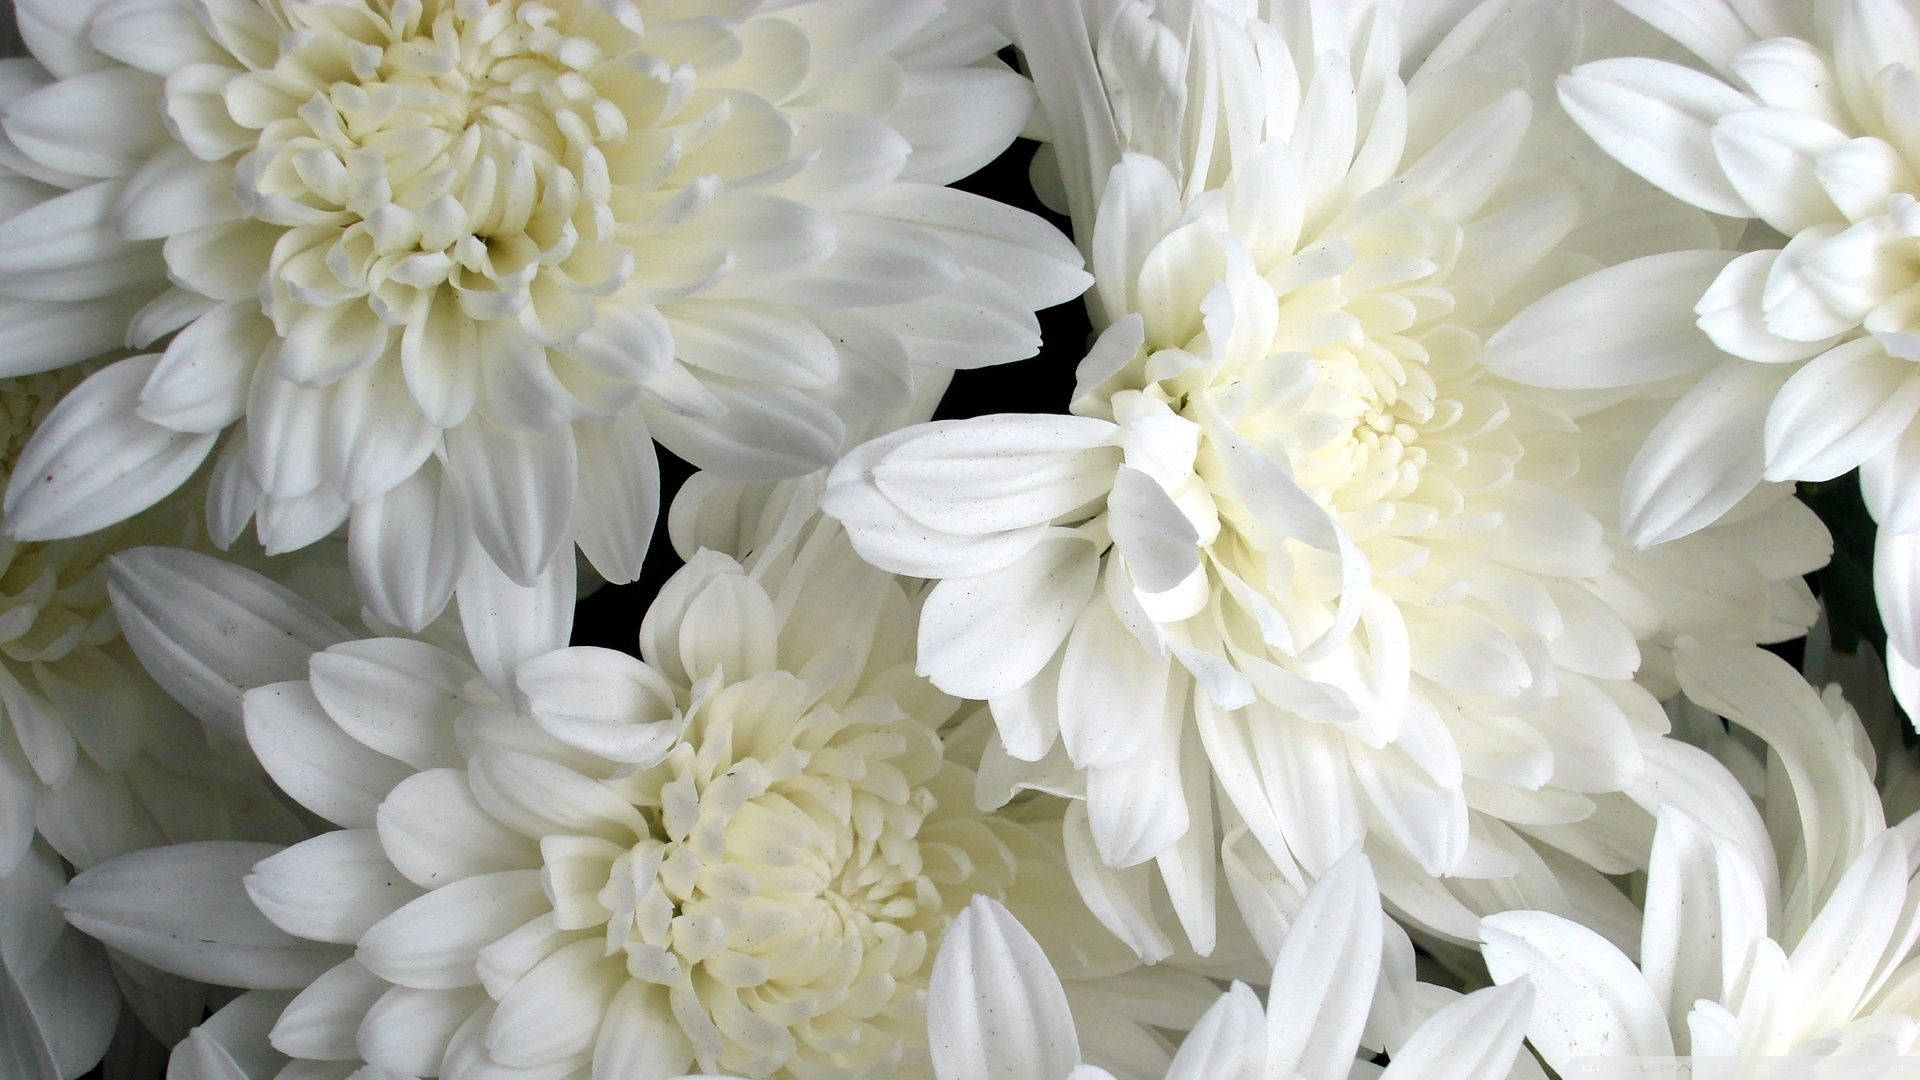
[(797, 873), (447, 151)]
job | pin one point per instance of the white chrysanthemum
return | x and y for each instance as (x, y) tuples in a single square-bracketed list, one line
[(95, 761), (1298, 535), (737, 856), (1803, 366), (447, 267), (997, 1008), (1800, 961)]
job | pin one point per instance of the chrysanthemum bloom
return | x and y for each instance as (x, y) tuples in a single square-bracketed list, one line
[(1297, 538), (997, 1008), (446, 267), (737, 856), (1802, 967), (95, 760), (1805, 123)]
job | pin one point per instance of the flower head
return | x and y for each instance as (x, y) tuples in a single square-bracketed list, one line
[(1796, 361), (1806, 965), (447, 267), (1297, 533), (96, 760), (737, 855)]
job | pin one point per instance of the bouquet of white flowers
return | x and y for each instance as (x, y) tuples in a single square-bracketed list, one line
[(959, 539)]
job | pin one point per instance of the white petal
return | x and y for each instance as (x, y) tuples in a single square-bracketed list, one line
[(1885, 483), (40, 335), (208, 631), (175, 192), (1838, 410), (233, 1043), (619, 496), (604, 702), (981, 637), (995, 1008), (435, 831), (959, 119), (330, 888), (1655, 117), (182, 909), (1573, 338), (431, 943), (1713, 31), (1703, 457), (1114, 697), (200, 384), (1229, 1041), (891, 539), (320, 1022), (1324, 977), (66, 248), (1478, 1035), (1732, 313), (998, 472), (519, 487), (312, 760), (640, 1039), (752, 342), (1769, 157), (764, 433), (376, 439), (397, 696), (1705, 909), (157, 36), (555, 1010), (408, 1030), (506, 623), (1020, 250), (1158, 542), (1591, 1001), (93, 462), (118, 107), (407, 547)]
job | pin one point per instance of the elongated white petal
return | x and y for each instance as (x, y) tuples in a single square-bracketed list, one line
[(1655, 117), (619, 495), (1703, 457), (995, 1008), (93, 461), (519, 488), (1838, 410), (182, 909), (208, 631), (984, 636), (330, 888), (312, 760), (507, 623), (1572, 338), (1478, 1035), (407, 548), (1590, 1000), (1324, 977), (602, 701)]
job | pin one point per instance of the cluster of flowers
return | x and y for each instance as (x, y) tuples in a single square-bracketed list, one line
[(1402, 559)]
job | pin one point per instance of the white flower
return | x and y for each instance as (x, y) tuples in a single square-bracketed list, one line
[(738, 855), (1297, 536), (1803, 363), (1804, 967), (96, 760), (997, 1009), (447, 267)]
